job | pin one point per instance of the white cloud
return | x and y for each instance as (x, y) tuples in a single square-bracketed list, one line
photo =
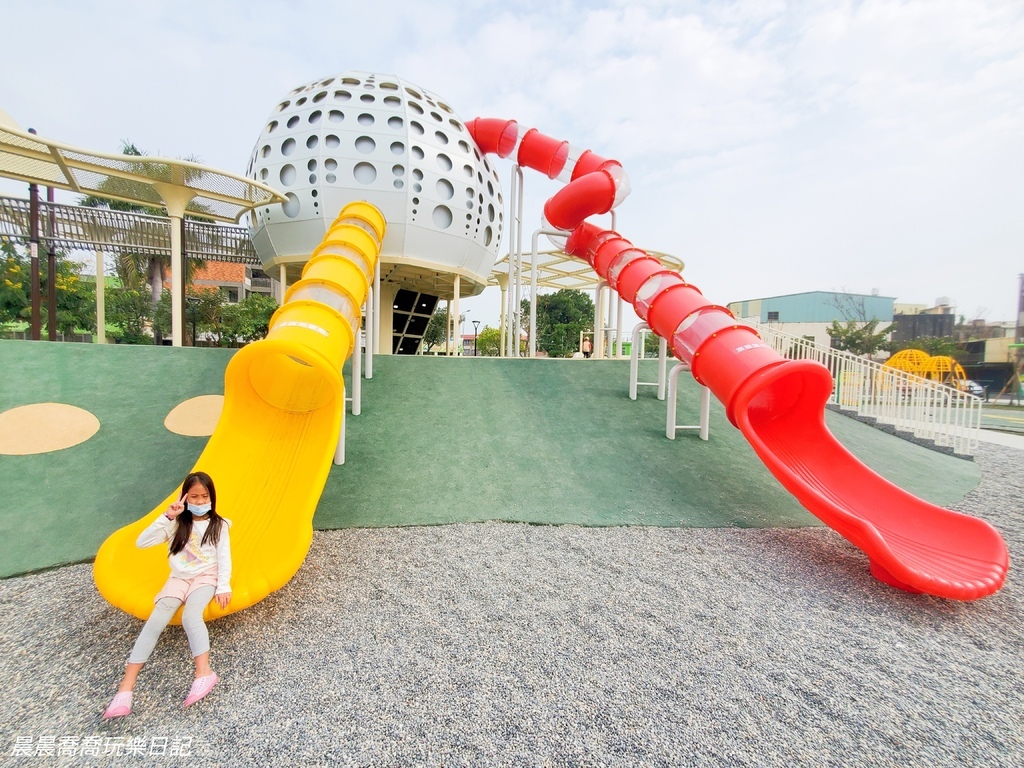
[(774, 146)]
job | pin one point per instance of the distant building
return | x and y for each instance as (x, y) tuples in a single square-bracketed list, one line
[(910, 327), (811, 314), (236, 281), (908, 309), (1019, 334)]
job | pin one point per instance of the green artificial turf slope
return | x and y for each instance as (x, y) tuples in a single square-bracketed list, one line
[(558, 441), (438, 441)]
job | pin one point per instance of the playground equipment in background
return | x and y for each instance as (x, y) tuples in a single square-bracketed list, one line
[(284, 401), (913, 361), (777, 404), (940, 368), (946, 370)]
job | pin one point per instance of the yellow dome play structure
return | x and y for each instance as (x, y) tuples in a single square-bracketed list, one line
[(940, 368), (913, 361), (284, 400), (946, 370)]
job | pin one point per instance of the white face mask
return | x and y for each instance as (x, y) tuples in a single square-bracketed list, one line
[(198, 510)]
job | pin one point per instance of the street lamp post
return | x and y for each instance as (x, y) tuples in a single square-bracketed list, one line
[(476, 328)]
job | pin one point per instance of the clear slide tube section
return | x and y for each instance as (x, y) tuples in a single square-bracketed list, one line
[(321, 313)]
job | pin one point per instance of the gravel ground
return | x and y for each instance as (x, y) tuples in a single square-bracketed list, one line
[(501, 644)]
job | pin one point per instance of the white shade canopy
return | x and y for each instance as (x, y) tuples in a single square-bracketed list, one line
[(191, 188)]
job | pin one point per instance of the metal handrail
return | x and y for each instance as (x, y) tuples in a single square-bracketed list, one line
[(928, 409)]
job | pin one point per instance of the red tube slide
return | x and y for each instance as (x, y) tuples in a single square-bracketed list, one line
[(778, 404)]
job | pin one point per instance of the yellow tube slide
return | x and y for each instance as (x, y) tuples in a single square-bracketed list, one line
[(272, 449)]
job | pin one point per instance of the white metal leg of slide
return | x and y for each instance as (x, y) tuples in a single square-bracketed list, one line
[(357, 379), (367, 335), (634, 363), (339, 453), (356, 399), (705, 406), (373, 322)]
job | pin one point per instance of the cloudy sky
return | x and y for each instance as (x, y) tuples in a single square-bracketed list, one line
[(775, 147)]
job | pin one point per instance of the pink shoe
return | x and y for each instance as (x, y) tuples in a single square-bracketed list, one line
[(200, 687), (120, 706)]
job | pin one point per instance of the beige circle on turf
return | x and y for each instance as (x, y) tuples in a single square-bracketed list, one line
[(44, 427), (195, 417)]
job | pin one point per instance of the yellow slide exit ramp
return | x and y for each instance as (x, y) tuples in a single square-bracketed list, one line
[(272, 449)]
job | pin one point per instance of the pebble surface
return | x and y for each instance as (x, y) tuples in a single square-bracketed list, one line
[(506, 644)]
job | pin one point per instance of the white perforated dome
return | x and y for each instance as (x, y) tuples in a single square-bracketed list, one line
[(362, 136)]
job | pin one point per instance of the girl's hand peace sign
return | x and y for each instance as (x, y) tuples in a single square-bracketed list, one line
[(175, 509)]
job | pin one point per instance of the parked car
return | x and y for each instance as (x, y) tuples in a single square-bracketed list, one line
[(973, 387)]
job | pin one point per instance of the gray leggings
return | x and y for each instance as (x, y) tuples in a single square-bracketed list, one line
[(191, 621)]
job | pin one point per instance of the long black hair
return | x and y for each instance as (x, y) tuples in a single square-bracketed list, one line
[(184, 528)]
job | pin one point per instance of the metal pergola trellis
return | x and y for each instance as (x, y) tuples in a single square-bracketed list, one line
[(74, 227), (180, 186)]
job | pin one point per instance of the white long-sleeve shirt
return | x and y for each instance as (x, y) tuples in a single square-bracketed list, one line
[(195, 557)]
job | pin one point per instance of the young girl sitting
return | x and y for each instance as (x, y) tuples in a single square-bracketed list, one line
[(200, 559)]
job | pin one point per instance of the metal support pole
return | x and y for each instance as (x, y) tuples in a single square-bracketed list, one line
[(357, 376), (634, 362), (516, 235), (502, 330), (283, 280), (176, 199), (599, 319), (634, 359), (533, 284), (705, 413), (662, 366), (618, 325), (33, 250), (532, 351), (184, 286), (448, 327), (177, 285), (339, 452), (670, 417), (368, 335), (51, 269), (458, 317), (101, 306), (375, 349), (609, 349), (507, 311)]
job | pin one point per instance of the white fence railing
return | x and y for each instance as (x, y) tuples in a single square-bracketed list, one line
[(927, 409)]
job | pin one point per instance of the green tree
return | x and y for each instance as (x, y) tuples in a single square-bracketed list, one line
[(936, 346), (859, 338), (161, 315), (561, 317), (76, 298), (131, 312), (652, 345), (208, 312), (488, 342), (14, 283), (249, 319), (434, 335), (204, 314), (210, 309)]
